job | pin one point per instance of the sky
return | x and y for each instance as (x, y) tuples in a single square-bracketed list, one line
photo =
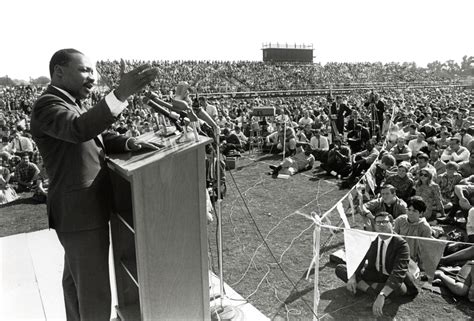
[(340, 30)]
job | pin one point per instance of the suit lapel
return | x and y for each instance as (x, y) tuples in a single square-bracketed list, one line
[(72, 104)]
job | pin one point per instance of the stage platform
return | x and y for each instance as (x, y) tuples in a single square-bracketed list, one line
[(30, 280)]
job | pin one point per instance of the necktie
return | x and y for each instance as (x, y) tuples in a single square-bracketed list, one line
[(319, 142), (380, 263), (462, 140), (19, 145)]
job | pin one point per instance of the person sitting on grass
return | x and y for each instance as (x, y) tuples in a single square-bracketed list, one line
[(413, 224), (422, 163), (287, 139), (7, 193), (463, 201), (279, 139), (416, 144), (358, 137), (387, 202), (338, 161), (361, 162), (381, 170), (455, 152), (466, 168), (437, 163), (242, 138), (291, 165), (431, 194), (401, 151), (40, 191), (231, 143), (461, 284), (383, 271), (319, 145), (26, 174), (447, 181), (401, 181)]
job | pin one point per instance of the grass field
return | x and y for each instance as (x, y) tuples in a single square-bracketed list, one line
[(255, 199)]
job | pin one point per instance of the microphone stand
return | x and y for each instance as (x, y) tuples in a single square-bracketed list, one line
[(222, 311)]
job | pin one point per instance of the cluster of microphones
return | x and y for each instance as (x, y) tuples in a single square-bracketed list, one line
[(176, 111)]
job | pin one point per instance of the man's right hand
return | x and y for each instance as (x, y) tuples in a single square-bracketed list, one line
[(352, 285), (134, 81)]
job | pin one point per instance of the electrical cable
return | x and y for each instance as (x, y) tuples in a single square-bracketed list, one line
[(268, 247)]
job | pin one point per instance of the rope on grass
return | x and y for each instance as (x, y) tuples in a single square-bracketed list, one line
[(265, 277), (267, 246)]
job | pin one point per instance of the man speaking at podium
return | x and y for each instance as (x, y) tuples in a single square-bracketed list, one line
[(73, 144)]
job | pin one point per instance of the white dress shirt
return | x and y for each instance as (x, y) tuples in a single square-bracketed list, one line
[(115, 105), (321, 143), (461, 155)]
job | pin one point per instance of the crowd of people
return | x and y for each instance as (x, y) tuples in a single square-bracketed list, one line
[(417, 144), (220, 76)]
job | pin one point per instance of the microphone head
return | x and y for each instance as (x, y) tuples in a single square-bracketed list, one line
[(180, 104), (145, 100), (152, 95)]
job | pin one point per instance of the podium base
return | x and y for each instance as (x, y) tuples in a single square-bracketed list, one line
[(226, 313)]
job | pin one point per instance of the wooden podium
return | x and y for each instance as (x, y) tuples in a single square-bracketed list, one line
[(159, 232)]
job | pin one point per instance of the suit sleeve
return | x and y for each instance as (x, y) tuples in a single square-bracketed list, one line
[(58, 120), (114, 143), (400, 267), (347, 110), (370, 251)]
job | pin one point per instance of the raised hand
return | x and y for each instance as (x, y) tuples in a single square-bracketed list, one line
[(134, 81)]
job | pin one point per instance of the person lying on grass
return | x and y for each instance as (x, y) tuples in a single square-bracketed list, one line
[(294, 164)]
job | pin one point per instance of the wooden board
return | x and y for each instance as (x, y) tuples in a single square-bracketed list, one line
[(20, 297), (127, 163), (171, 237), (48, 261), (31, 268)]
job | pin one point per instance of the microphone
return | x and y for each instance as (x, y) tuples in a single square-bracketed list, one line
[(172, 116), (179, 106)]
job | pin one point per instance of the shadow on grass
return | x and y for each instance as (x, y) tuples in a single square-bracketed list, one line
[(266, 157), (460, 303), (343, 305), (22, 200)]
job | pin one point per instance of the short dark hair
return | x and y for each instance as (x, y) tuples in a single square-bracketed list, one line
[(418, 203), (390, 187), (384, 214), (422, 156), (61, 57), (388, 160)]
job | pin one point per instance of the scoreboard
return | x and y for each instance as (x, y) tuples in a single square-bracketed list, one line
[(286, 53)]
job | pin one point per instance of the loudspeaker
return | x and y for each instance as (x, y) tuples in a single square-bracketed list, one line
[(263, 111)]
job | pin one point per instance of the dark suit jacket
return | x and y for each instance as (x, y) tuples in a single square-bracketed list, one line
[(73, 148), (396, 261), (341, 113)]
